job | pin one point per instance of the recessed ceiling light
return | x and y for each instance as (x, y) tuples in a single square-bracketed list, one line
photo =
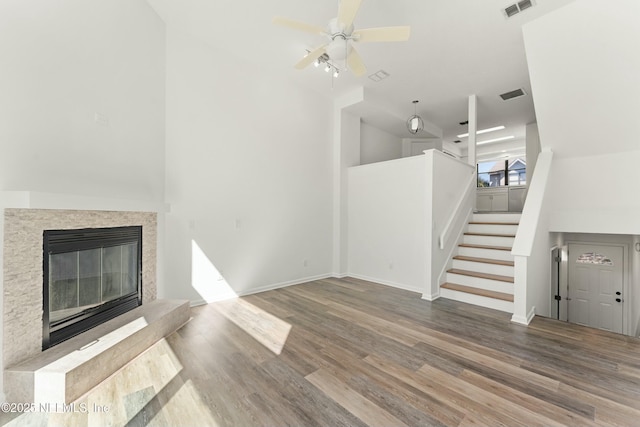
[(480, 132), (488, 141)]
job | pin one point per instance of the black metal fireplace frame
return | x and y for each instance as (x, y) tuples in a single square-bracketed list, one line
[(60, 241)]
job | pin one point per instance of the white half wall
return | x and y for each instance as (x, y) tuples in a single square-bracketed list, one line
[(532, 246), (249, 175), (82, 105), (397, 211), (448, 198), (386, 222)]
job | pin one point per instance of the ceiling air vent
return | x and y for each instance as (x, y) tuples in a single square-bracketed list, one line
[(380, 75), (513, 94), (518, 7)]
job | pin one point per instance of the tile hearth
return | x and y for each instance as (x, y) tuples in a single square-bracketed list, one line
[(64, 373)]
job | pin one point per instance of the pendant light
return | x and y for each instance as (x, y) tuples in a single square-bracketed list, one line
[(415, 123)]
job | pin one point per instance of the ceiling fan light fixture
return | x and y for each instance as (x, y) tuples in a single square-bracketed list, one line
[(415, 123), (342, 37)]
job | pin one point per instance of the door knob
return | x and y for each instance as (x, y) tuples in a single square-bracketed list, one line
[(618, 293), (618, 300)]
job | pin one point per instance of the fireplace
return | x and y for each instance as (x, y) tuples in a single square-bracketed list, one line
[(90, 276)]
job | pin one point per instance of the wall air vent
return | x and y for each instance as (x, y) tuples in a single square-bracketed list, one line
[(518, 7), (513, 94)]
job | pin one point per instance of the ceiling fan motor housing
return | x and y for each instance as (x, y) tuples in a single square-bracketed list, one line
[(339, 47)]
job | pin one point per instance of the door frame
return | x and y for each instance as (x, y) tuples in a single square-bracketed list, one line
[(564, 279)]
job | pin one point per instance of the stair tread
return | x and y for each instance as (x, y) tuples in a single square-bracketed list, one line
[(489, 234), (481, 275), (478, 291), (493, 223), (484, 260), (497, 248)]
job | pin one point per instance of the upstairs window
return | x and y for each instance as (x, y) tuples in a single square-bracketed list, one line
[(493, 173)]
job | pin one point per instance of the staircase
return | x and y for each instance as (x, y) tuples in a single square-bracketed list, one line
[(482, 270)]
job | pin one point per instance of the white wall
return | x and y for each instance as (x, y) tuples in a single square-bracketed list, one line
[(532, 149), (377, 145), (61, 63), (386, 224), (584, 64), (346, 154), (596, 194), (249, 169)]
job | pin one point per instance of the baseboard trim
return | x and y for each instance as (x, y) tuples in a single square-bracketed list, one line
[(385, 282), (285, 284), (274, 286), (431, 297), (524, 320)]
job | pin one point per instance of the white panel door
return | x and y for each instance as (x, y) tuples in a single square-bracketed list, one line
[(595, 286)]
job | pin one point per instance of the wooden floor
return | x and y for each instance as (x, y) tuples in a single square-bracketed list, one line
[(358, 353), (344, 352)]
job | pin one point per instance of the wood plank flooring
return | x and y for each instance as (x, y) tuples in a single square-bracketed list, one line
[(345, 352), (359, 353)]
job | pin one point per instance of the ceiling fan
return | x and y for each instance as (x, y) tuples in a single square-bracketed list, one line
[(342, 35)]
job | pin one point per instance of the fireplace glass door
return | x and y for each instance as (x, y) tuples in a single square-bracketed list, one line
[(81, 280), (90, 276)]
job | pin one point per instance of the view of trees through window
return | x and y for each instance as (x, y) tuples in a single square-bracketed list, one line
[(493, 173)]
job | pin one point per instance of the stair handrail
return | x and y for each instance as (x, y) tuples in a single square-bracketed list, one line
[(456, 211)]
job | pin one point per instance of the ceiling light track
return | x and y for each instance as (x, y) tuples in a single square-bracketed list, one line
[(329, 66)]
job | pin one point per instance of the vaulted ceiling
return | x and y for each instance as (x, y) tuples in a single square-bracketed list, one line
[(456, 48)]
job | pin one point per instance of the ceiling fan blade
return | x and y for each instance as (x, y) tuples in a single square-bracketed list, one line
[(382, 34), (312, 56), (355, 63), (297, 25), (347, 11)]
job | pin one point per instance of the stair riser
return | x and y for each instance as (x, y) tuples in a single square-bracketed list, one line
[(493, 303), (493, 229), (480, 283), (481, 267), (485, 253), (496, 217), (489, 240)]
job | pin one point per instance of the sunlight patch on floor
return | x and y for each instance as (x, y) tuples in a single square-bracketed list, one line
[(206, 279), (264, 327), (185, 408)]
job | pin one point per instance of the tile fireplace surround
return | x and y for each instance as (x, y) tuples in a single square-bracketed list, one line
[(22, 268)]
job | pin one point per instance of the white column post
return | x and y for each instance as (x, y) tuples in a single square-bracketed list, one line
[(473, 127)]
